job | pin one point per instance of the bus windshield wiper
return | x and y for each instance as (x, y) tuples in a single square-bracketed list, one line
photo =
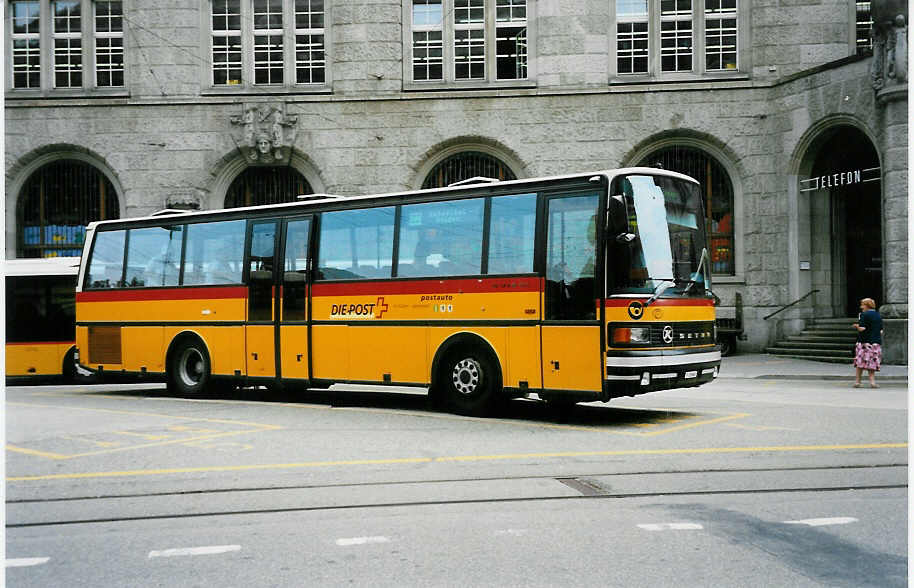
[(701, 262), (665, 283)]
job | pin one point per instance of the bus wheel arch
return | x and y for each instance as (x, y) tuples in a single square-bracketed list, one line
[(188, 365), (466, 375), (68, 369)]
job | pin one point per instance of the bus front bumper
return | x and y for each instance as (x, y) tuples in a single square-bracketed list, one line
[(629, 373)]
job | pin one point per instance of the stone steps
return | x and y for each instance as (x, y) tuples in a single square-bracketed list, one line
[(828, 340)]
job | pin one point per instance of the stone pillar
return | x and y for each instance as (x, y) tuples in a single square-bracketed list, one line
[(890, 81)]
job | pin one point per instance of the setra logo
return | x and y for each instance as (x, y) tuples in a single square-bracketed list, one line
[(636, 310)]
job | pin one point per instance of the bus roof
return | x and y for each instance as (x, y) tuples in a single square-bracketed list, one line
[(306, 204), (51, 266)]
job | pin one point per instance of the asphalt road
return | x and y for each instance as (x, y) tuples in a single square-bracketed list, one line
[(741, 482)]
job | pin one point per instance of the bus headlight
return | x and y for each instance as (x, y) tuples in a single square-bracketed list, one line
[(630, 335)]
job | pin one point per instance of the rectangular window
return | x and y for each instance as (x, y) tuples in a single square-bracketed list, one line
[(356, 244), (428, 44), (511, 234), (631, 36), (310, 57), (226, 48), (441, 238), (511, 39), (67, 35), (268, 42), (469, 40), (154, 256), (720, 35), (109, 44), (864, 28), (26, 39), (214, 253), (106, 266), (676, 35)]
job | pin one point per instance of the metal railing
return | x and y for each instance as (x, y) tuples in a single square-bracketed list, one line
[(786, 306)]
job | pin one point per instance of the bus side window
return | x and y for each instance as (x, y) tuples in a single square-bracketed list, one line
[(356, 244), (106, 266), (512, 234), (214, 253), (441, 238)]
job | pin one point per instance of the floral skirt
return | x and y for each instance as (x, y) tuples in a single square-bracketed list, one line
[(868, 356)]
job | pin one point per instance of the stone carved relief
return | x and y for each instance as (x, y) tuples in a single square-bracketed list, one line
[(890, 43), (267, 133)]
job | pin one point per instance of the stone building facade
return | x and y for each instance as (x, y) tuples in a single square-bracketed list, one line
[(168, 103)]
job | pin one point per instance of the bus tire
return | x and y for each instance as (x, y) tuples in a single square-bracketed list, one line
[(728, 345), (189, 368), (469, 381)]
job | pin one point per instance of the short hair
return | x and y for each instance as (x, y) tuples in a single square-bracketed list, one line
[(869, 303)]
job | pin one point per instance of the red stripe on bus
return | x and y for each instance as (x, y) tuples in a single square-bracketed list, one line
[(432, 286), (162, 294), (624, 302), (41, 343)]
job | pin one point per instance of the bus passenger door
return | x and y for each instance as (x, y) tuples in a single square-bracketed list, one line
[(260, 332), (571, 332), (294, 344)]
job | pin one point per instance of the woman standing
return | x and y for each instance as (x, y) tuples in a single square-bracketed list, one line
[(868, 351)]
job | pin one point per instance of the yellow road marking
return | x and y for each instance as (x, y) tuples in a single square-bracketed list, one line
[(91, 441), (457, 458), (35, 452), (142, 435), (256, 428)]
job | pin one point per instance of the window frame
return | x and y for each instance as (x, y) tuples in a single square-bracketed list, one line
[(699, 70), (449, 29), (248, 35), (47, 69)]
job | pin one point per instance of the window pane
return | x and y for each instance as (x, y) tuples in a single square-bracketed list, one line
[(469, 54), (570, 254), (214, 253), (631, 47), (631, 8), (154, 256), (427, 13), (428, 51), (356, 244), (441, 238), (40, 309), (26, 18), (511, 53), (512, 232), (106, 266)]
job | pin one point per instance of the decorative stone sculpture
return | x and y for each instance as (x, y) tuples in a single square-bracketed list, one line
[(890, 43), (267, 133)]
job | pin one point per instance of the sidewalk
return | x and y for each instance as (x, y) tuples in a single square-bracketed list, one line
[(762, 365)]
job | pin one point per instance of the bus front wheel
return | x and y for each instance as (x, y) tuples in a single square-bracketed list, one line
[(189, 369), (470, 382)]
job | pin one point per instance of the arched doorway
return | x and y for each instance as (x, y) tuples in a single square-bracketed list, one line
[(56, 203), (465, 165), (845, 184), (266, 185)]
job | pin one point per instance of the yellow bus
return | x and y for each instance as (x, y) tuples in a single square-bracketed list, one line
[(40, 318), (576, 288)]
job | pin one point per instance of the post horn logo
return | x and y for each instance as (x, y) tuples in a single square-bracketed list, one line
[(636, 310)]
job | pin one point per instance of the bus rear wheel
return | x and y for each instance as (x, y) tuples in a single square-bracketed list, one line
[(189, 369), (470, 382)]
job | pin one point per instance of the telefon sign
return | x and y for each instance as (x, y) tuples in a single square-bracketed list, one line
[(838, 179)]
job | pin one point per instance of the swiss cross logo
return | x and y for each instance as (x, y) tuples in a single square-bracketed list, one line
[(381, 306)]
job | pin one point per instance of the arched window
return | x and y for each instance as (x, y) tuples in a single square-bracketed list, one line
[(55, 205), (466, 165), (718, 198), (266, 185)]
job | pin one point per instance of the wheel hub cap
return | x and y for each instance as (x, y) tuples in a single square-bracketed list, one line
[(466, 376)]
